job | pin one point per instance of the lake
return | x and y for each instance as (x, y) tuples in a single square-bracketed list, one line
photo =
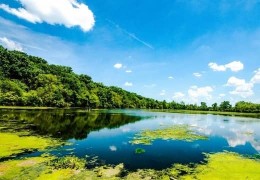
[(106, 135)]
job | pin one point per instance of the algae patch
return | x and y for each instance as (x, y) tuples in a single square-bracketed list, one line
[(28, 168), (42, 168), (15, 143), (223, 165), (71, 162), (177, 132), (226, 166), (139, 151)]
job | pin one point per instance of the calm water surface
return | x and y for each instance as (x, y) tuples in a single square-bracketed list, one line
[(106, 134)]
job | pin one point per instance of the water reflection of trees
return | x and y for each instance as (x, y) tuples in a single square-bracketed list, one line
[(64, 124)]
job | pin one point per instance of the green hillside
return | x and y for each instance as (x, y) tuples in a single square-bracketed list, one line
[(30, 81)]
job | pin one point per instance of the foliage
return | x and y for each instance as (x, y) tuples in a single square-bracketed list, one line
[(30, 81)]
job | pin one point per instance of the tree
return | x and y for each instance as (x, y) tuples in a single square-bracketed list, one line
[(225, 106), (11, 92), (29, 80), (214, 106), (203, 106)]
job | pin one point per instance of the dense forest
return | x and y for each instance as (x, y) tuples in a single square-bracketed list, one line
[(30, 81)]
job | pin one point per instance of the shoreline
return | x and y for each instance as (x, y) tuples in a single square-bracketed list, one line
[(223, 113)]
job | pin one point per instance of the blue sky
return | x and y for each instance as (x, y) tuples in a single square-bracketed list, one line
[(191, 51)]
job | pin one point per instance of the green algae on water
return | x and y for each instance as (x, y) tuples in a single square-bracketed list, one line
[(16, 143), (177, 132), (27, 168), (71, 162), (139, 151), (223, 165), (226, 165), (42, 168)]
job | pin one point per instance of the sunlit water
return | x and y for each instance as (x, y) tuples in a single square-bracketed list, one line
[(106, 134)]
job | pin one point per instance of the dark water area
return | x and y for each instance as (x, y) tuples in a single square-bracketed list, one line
[(106, 135)]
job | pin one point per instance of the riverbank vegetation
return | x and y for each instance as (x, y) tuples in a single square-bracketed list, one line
[(30, 81)]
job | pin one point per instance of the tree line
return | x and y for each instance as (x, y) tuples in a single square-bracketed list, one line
[(30, 81)]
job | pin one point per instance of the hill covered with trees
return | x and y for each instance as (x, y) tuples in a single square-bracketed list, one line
[(30, 81)]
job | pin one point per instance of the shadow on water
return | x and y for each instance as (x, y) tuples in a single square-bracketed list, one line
[(65, 124)]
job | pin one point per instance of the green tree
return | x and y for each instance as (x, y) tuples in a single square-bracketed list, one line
[(214, 106), (225, 106), (203, 106)]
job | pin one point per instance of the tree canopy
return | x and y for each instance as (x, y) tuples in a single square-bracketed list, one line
[(30, 81)]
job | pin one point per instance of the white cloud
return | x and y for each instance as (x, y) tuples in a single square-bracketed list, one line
[(128, 84), (170, 77), (196, 74), (178, 95), (217, 67), (162, 93), (242, 88), (11, 45), (233, 81), (113, 148), (128, 71), (202, 92), (69, 13), (233, 66), (222, 95), (118, 66), (256, 78)]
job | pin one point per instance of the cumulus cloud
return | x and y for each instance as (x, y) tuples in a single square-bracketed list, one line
[(128, 84), (11, 45), (200, 92), (196, 74), (128, 71), (69, 13), (162, 93), (256, 78), (242, 88), (178, 95), (170, 77), (217, 67), (118, 66), (233, 81), (234, 66), (243, 91)]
